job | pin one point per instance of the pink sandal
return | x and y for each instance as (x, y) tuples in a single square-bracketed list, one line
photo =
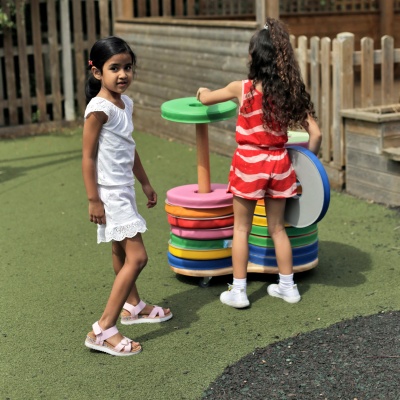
[(123, 348), (156, 315)]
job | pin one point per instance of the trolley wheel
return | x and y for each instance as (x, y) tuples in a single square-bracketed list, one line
[(205, 282)]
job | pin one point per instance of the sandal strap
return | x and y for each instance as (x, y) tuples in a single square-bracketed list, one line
[(124, 346), (101, 335), (134, 310), (156, 311)]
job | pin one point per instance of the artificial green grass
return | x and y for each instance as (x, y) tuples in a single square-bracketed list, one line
[(55, 281)]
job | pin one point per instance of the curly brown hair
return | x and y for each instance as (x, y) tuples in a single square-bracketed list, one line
[(272, 62)]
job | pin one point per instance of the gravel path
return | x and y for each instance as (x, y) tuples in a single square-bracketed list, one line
[(354, 359)]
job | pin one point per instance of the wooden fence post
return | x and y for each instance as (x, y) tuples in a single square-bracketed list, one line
[(343, 92), (123, 9), (68, 80), (91, 22), (80, 62), (38, 62), (10, 69), (190, 8), (23, 61), (387, 69), (367, 72), (326, 115), (54, 59), (315, 74), (386, 8), (104, 18), (154, 8), (266, 8), (302, 45), (166, 5)]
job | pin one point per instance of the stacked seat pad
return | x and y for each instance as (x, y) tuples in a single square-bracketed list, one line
[(201, 229), (304, 242)]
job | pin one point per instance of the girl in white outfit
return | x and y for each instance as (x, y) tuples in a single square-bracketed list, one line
[(110, 164)]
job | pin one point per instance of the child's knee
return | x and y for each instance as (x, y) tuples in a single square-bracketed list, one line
[(244, 228), (142, 262), (275, 230), (138, 261)]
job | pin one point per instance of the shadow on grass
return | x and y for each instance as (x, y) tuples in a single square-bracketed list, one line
[(186, 305), (339, 265), (9, 172)]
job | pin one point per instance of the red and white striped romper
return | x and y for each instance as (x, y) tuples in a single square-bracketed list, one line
[(261, 165)]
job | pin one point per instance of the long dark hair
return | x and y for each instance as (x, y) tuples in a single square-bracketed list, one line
[(100, 52), (273, 64)]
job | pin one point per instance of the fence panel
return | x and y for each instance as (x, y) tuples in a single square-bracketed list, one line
[(313, 6), (330, 71), (43, 60)]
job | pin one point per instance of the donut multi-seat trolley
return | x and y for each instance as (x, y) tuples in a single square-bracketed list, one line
[(201, 215)]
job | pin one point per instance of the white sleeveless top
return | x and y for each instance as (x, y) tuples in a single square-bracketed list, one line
[(116, 152)]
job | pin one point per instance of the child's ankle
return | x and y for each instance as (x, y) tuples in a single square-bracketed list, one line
[(286, 282), (239, 284), (105, 324)]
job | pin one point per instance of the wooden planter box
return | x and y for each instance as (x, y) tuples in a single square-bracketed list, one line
[(372, 137)]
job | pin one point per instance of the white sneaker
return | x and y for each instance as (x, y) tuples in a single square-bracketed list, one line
[(291, 295), (235, 297)]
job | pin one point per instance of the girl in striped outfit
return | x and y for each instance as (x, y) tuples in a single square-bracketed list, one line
[(272, 100)]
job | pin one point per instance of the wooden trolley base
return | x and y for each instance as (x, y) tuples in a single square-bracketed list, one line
[(251, 268)]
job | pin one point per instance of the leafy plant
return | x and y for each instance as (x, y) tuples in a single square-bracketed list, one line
[(7, 14), (5, 19)]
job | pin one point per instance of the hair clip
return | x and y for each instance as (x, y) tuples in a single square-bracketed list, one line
[(90, 63), (266, 26)]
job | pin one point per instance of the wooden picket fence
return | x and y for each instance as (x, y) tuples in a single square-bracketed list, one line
[(244, 8), (339, 78), (43, 61)]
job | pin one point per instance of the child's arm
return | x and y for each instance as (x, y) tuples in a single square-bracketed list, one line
[(91, 133), (231, 91), (314, 142), (141, 176)]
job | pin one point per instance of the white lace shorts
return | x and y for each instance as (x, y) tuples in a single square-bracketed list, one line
[(122, 217)]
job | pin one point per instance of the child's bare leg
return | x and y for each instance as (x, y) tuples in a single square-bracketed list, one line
[(118, 257), (276, 228), (243, 211), (121, 288), (286, 289), (236, 295)]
